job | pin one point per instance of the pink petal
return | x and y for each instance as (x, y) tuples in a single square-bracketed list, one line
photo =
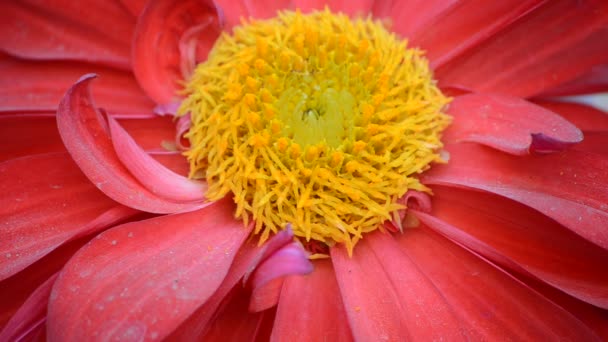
[(584, 117), (568, 186), (264, 9), (310, 308), (490, 304), (160, 28), (39, 86), (290, 259), (464, 25), (143, 279), (92, 31), (31, 316), (309, 5), (408, 17), (230, 12), (532, 56), (86, 138), (353, 8), (266, 296), (41, 212), (22, 135), (509, 124), (492, 225), (153, 175), (386, 296)]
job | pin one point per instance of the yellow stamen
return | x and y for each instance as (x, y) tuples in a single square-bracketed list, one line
[(315, 120)]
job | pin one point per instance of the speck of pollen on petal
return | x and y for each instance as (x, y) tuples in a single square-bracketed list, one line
[(317, 120)]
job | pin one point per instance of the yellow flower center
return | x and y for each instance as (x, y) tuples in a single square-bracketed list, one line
[(315, 120)]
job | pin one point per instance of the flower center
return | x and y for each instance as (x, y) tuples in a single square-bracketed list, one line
[(315, 120)]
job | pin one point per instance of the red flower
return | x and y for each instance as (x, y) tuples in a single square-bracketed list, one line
[(103, 236)]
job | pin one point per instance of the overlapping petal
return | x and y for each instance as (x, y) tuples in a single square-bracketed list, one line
[(509, 124), (568, 186), (86, 137), (489, 303), (495, 227), (94, 31), (41, 210), (123, 281), (532, 56), (157, 61)]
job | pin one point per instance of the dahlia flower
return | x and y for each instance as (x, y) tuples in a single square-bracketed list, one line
[(303, 170)]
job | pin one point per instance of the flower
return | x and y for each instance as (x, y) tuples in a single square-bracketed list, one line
[(100, 240)]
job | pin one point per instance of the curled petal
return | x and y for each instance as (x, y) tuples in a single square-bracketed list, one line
[(291, 259), (160, 28), (85, 136), (152, 174), (509, 124)]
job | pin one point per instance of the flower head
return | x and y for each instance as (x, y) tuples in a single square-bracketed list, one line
[(378, 170)]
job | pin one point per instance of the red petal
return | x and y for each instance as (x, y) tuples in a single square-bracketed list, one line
[(22, 135), (466, 24), (531, 56), (492, 225), (86, 138), (40, 212), (134, 6), (584, 117), (93, 31), (596, 142), (386, 296), (509, 124), (151, 134), (39, 86), (143, 279), (490, 304), (174, 161), (568, 186), (310, 308), (31, 315), (594, 81), (15, 290), (160, 28), (234, 322), (152, 174)]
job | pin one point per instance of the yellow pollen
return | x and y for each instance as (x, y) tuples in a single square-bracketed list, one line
[(317, 120)]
